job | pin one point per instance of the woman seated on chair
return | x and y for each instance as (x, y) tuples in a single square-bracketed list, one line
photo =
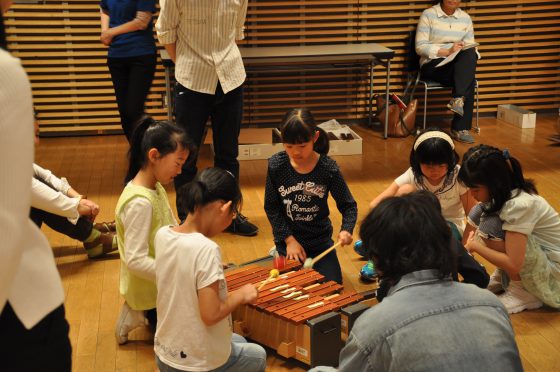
[(442, 30)]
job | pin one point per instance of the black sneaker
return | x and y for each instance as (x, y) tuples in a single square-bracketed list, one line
[(241, 226)]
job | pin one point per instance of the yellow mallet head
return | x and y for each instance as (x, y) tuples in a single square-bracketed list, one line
[(274, 273)]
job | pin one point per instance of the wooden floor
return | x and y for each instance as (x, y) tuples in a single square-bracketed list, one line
[(95, 166)]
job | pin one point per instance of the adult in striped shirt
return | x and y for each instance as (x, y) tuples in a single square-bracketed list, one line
[(442, 30), (200, 37)]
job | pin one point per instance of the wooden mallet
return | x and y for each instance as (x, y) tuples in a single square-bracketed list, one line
[(308, 264), (273, 274)]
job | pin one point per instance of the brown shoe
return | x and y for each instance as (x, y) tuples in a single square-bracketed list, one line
[(104, 244), (105, 227)]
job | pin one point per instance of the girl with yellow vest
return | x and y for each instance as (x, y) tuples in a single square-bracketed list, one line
[(157, 153)]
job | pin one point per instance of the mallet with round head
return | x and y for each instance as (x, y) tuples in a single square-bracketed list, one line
[(273, 274), (308, 264)]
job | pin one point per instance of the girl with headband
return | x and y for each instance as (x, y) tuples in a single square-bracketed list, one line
[(434, 168), (517, 230)]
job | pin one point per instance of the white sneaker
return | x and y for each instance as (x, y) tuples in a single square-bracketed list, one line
[(495, 284), (129, 319), (516, 299), (272, 251)]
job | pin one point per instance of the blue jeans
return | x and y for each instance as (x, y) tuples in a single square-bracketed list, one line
[(245, 357)]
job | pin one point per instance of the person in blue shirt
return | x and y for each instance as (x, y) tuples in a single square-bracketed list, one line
[(126, 28)]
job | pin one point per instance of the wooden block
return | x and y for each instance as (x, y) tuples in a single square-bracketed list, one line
[(287, 349), (240, 328)]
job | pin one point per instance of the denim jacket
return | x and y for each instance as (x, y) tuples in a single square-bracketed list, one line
[(429, 324)]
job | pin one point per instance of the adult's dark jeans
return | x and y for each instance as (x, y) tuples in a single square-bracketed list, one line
[(460, 75), (192, 110), (80, 231), (45, 347), (132, 78)]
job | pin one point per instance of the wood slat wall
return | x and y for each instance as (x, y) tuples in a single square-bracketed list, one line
[(520, 47)]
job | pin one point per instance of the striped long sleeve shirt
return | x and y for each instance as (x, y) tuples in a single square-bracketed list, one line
[(204, 33), (438, 30)]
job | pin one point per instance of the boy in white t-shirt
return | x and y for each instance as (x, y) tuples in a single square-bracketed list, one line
[(194, 327)]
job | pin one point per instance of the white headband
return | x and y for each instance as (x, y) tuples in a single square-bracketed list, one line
[(433, 134)]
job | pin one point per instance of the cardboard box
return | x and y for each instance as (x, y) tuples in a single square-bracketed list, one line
[(254, 143), (257, 143), (517, 116), (342, 146)]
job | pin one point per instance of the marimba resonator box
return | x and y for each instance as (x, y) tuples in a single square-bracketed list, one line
[(297, 314)]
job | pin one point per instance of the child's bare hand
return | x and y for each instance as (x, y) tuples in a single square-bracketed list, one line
[(88, 209), (248, 293), (471, 243), (345, 237), (294, 251)]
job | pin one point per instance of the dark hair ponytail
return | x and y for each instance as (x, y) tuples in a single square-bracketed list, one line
[(210, 185), (148, 134), (298, 126), (498, 171), (322, 145)]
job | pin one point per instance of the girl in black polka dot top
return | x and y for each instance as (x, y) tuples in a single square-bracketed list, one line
[(298, 183)]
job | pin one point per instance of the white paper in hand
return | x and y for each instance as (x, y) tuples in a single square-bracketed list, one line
[(452, 56)]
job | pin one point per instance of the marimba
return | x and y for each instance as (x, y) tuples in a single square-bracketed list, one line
[(297, 314)]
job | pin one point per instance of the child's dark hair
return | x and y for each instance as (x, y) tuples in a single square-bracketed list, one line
[(161, 135), (498, 171), (298, 126), (433, 146), (210, 185), (424, 245)]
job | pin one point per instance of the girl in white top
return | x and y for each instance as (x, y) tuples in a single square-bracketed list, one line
[(433, 167), (194, 328), (530, 252), (55, 203)]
